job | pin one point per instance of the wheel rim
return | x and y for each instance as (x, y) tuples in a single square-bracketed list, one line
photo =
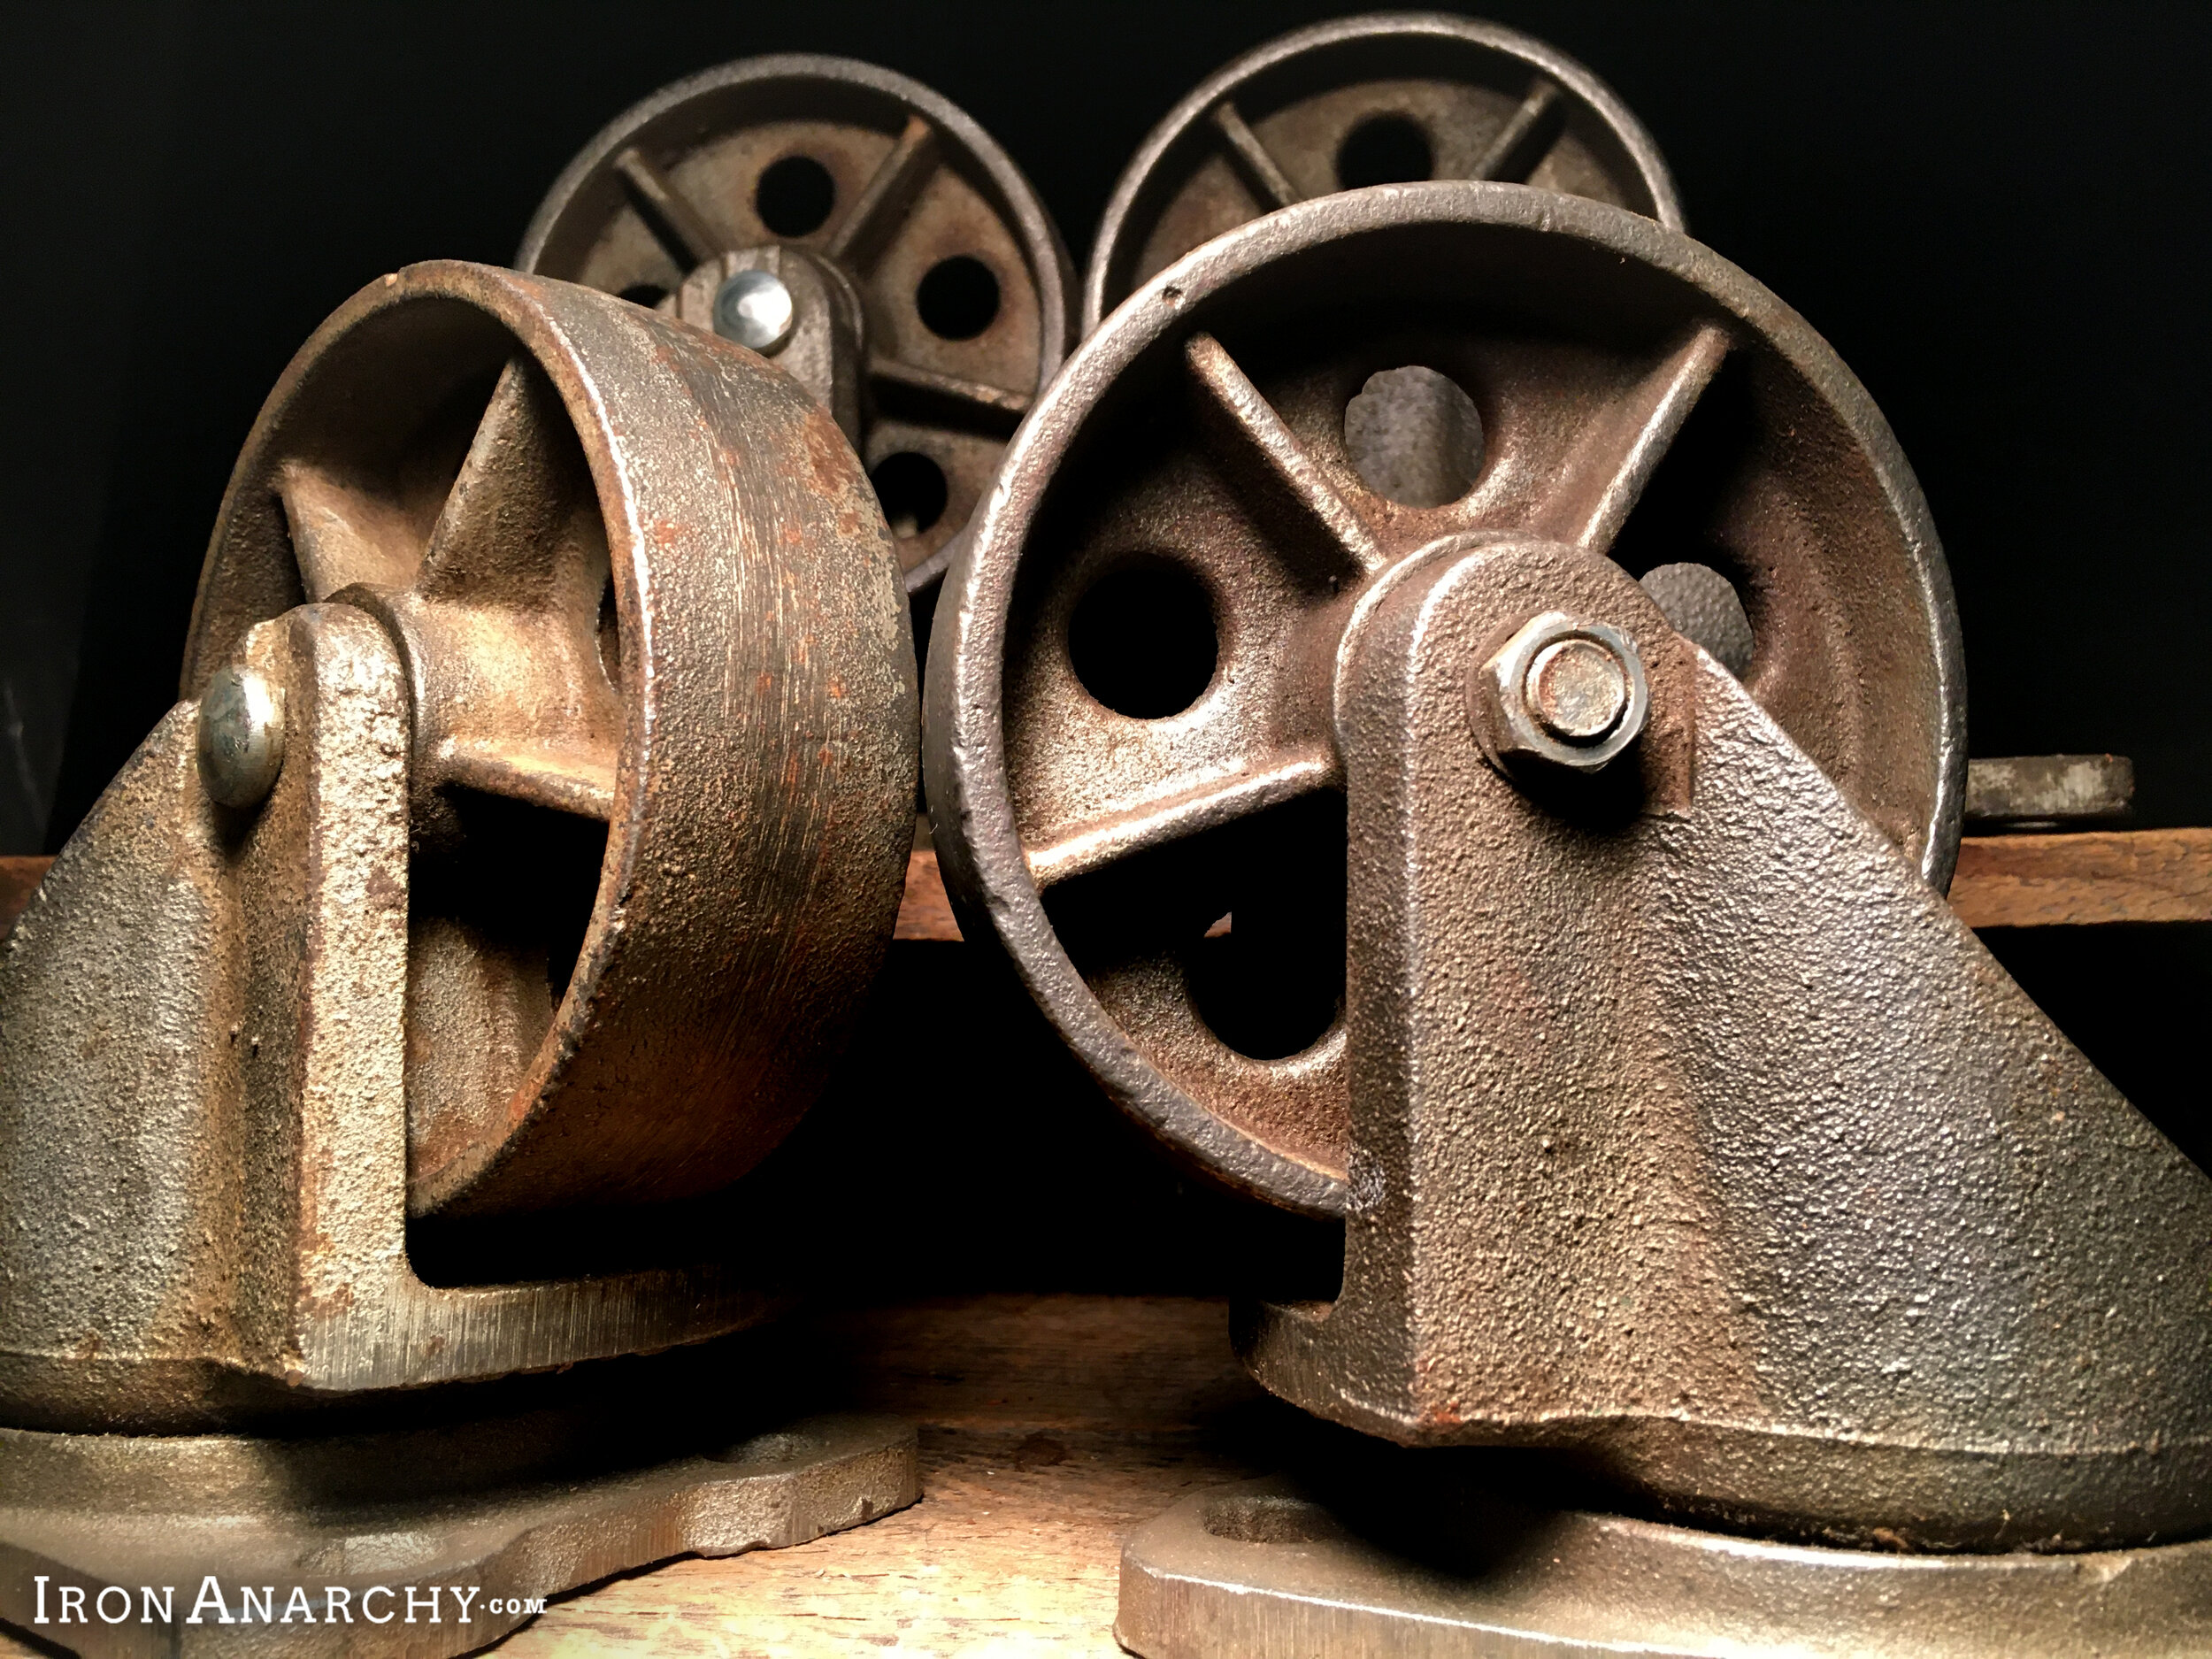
[(1284, 121), (1640, 396), (664, 718), (919, 196)]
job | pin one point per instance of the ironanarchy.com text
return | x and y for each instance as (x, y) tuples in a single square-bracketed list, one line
[(374, 1604)]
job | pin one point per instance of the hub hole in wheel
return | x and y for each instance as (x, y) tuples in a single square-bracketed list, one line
[(1141, 640), (1414, 437), (1257, 990), (912, 487), (646, 294), (1267, 976), (1384, 150), (1703, 605), (794, 195), (958, 299)]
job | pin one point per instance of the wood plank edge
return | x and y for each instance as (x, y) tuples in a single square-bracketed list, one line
[(2090, 879)]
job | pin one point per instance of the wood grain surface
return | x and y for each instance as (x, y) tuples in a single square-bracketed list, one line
[(18, 879), (925, 912), (1050, 1425), (2086, 879), (2074, 881)]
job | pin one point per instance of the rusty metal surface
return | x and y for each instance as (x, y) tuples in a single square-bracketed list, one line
[(1286, 122), (1694, 1139), (1154, 873), (655, 657), (2041, 792), (525, 1506), (203, 1098), (587, 839), (2073, 881), (656, 203), (1265, 1568)]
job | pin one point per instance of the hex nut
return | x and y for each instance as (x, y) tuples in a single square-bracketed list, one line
[(241, 737), (1564, 693)]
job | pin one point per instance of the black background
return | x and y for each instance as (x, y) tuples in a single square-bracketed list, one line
[(1994, 212)]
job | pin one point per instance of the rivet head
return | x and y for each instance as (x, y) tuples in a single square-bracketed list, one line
[(755, 309), (1563, 694), (241, 738)]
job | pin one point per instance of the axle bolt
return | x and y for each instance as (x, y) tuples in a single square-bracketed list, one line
[(755, 309), (1563, 692), (241, 737), (1578, 690)]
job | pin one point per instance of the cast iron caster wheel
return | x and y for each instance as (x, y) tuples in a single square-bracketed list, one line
[(1390, 98), (1130, 744), (663, 710), (858, 227)]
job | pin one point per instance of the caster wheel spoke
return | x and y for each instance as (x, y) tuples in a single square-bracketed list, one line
[(688, 239), (931, 295), (1135, 753), (1392, 98), (653, 640), (888, 196)]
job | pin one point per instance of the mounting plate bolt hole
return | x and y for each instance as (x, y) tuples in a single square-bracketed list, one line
[(1414, 437), (1251, 1518), (794, 195), (958, 298), (770, 1450), (1141, 640), (912, 487), (1384, 150)]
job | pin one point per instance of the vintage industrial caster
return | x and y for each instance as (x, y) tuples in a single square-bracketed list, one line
[(1392, 97), (856, 228), (513, 867), (1753, 1266)]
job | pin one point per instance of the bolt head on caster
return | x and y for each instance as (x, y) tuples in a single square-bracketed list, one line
[(1639, 1178), (1563, 694), (240, 736), (755, 309), (456, 892)]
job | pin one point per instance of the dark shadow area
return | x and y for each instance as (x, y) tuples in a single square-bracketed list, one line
[(2131, 998), (912, 488), (794, 195), (960, 1147), (958, 298), (1385, 149), (1142, 641), (523, 878)]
